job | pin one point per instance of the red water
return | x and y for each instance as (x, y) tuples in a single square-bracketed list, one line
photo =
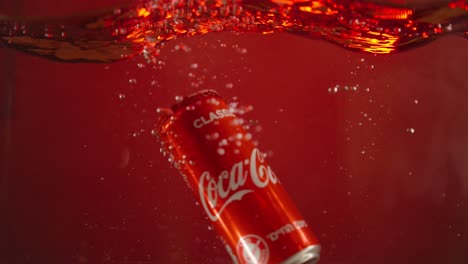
[(372, 149), (121, 33)]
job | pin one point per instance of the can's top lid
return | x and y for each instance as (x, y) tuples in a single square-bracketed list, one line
[(193, 98), (166, 116)]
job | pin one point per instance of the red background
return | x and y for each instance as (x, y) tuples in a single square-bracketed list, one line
[(82, 179)]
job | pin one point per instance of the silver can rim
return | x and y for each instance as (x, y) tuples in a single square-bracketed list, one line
[(309, 255)]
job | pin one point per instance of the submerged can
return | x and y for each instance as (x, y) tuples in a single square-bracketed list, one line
[(241, 195)]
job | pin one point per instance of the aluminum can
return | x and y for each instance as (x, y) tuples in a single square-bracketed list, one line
[(243, 198)]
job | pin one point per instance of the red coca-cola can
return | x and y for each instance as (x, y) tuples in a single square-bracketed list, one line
[(240, 193)]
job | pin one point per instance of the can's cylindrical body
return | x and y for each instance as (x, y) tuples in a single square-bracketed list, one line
[(238, 190)]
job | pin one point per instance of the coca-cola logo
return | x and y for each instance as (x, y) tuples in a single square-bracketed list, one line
[(253, 249), (230, 185)]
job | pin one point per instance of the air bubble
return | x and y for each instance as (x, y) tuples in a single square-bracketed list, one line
[(221, 151), (334, 90), (182, 47), (223, 142), (241, 50), (212, 136)]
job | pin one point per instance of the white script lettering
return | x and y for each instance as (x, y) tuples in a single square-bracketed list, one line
[(217, 193), (212, 116)]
